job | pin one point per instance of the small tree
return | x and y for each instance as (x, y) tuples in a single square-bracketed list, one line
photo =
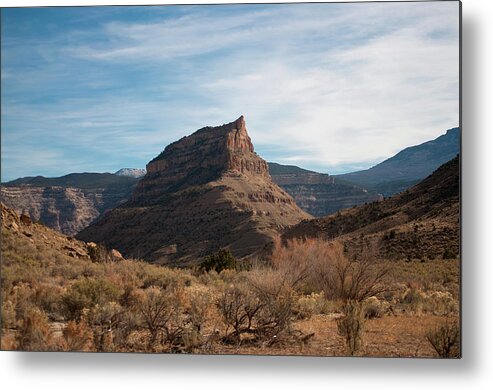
[(350, 279), (239, 308), (220, 261), (155, 308), (162, 314)]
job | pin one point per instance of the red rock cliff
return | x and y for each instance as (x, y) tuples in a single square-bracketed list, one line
[(221, 148), (200, 158)]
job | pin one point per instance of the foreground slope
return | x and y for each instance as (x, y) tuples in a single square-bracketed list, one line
[(409, 166), (207, 191), (19, 231), (420, 222), (317, 193)]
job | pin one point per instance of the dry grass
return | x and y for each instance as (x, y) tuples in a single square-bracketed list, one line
[(52, 301)]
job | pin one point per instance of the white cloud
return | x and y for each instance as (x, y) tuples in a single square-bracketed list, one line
[(321, 85)]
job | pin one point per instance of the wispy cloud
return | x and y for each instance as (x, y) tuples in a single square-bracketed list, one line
[(325, 86)]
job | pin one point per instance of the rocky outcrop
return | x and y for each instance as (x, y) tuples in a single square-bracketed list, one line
[(63, 207), (198, 159), (317, 193), (205, 192), (33, 238), (25, 230)]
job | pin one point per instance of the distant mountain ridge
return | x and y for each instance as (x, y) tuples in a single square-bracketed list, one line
[(71, 202), (409, 166), (76, 180), (131, 172)]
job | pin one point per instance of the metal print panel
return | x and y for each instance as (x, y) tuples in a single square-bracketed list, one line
[(268, 179)]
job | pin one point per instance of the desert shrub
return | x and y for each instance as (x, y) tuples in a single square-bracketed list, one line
[(192, 339), (276, 315), (238, 306), (126, 323), (198, 311), (210, 279), (86, 293), (294, 261), (445, 339), (199, 308), (308, 305), (104, 318), (274, 288), (22, 295), (414, 298), (260, 306), (100, 254), (8, 314), (351, 326), (441, 303), (152, 276), (314, 265), (418, 301), (77, 336), (374, 308), (349, 279), (47, 298), (220, 261), (162, 316), (33, 333)]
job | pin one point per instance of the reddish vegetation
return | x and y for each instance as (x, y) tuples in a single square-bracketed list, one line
[(60, 294)]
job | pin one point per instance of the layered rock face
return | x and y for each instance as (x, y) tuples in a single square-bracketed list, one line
[(205, 192), (198, 159), (317, 193), (67, 210), (67, 205)]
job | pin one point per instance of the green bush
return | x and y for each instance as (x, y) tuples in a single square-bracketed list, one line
[(100, 254), (86, 293), (220, 261)]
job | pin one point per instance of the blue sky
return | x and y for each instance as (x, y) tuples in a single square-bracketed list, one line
[(329, 87)]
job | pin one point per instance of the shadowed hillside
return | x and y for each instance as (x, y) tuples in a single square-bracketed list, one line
[(420, 222)]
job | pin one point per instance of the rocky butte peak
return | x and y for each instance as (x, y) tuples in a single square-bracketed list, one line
[(205, 192), (220, 148), (200, 158)]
